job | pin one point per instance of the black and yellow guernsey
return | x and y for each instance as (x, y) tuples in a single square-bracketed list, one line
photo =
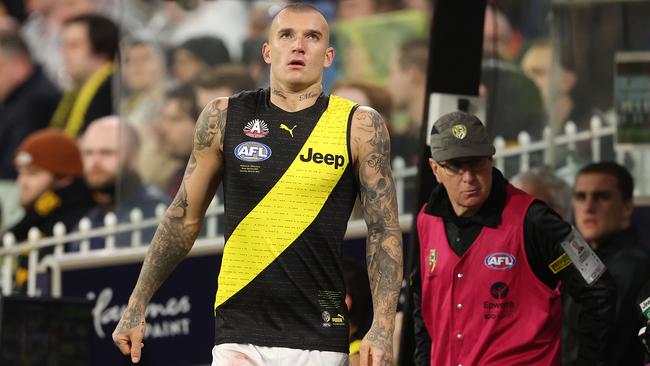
[(289, 191)]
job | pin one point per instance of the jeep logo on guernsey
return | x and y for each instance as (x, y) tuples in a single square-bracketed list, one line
[(500, 261), (252, 151), (319, 158)]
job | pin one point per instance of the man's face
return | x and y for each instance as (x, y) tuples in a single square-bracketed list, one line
[(598, 206), (32, 182), (536, 64), (142, 68), (398, 83), (77, 52), (176, 129), (298, 49), (186, 66), (100, 155), (467, 180)]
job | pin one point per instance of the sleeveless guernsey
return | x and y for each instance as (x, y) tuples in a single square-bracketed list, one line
[(288, 195)]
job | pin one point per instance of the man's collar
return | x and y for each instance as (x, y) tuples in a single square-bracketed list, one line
[(488, 215)]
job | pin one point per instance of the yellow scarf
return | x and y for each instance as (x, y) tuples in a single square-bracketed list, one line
[(72, 108)]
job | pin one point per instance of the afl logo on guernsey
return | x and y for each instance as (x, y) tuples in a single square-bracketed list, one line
[(252, 151), (500, 261)]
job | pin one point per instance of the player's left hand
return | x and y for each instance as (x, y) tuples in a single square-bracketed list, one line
[(377, 347)]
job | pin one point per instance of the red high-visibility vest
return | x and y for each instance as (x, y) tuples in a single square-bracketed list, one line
[(487, 307)]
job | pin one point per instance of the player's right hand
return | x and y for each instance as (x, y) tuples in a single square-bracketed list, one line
[(129, 333)]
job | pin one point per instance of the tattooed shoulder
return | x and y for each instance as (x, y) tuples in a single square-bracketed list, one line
[(212, 122)]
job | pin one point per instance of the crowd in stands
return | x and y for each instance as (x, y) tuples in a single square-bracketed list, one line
[(156, 64)]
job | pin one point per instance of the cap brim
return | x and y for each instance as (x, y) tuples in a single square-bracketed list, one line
[(457, 152)]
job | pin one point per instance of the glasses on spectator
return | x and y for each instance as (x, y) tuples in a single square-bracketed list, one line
[(458, 167)]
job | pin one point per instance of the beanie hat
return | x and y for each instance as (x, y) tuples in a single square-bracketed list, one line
[(52, 150)]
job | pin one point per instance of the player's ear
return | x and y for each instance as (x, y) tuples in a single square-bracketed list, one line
[(266, 52), (329, 57)]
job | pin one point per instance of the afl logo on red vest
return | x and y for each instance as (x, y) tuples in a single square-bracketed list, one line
[(252, 151), (500, 261)]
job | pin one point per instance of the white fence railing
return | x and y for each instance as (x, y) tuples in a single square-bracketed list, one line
[(211, 242)]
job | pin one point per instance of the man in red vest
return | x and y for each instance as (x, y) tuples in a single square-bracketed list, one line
[(491, 262)]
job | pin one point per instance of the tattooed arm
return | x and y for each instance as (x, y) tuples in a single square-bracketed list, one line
[(371, 154), (180, 226)]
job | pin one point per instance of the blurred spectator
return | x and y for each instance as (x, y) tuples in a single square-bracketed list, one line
[(365, 45), (143, 73), (42, 32), (178, 21), (500, 40), (109, 150), (51, 187), (524, 110), (542, 184), (504, 81), (50, 182), (359, 302), (196, 56), (407, 77), (8, 20), (603, 205), (496, 34), (555, 82), (259, 20), (90, 44), (176, 129), (27, 99), (222, 81)]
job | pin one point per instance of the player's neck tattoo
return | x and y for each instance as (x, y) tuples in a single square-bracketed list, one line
[(279, 94), (308, 96)]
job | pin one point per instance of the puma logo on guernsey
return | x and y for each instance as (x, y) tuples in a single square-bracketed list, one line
[(319, 158), (290, 130)]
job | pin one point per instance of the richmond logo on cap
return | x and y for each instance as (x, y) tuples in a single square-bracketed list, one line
[(459, 131)]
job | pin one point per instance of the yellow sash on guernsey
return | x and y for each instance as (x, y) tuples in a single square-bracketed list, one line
[(355, 346), (289, 207)]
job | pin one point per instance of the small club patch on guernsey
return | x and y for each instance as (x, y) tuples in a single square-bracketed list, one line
[(256, 129), (560, 263), (252, 151)]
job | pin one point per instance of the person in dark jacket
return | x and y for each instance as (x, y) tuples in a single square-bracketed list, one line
[(90, 43), (109, 150), (491, 259), (23, 85), (51, 186), (603, 205)]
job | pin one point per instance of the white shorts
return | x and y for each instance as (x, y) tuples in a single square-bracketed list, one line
[(235, 354)]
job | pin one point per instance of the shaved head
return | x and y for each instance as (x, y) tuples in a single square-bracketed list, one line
[(297, 8)]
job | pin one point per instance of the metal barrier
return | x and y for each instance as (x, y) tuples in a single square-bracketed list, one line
[(212, 242)]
